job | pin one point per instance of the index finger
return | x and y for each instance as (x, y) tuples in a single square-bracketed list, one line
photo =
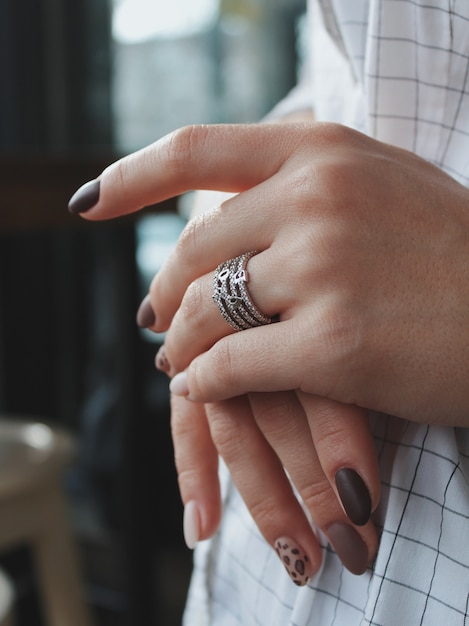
[(223, 157)]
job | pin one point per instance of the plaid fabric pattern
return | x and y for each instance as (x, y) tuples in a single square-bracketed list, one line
[(397, 70)]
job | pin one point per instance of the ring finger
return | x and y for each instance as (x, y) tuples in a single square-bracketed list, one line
[(239, 295)]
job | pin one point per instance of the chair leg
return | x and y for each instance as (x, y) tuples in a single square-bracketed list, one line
[(57, 566)]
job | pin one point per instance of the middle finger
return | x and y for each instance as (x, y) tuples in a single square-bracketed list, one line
[(283, 422)]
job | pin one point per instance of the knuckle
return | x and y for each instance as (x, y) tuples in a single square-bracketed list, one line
[(122, 172), (339, 321), (126, 170), (193, 469), (191, 239), (185, 144), (193, 309), (339, 348), (228, 440), (319, 499), (275, 414), (340, 337), (182, 429), (266, 512), (188, 478), (302, 186), (188, 475), (344, 338), (329, 181), (333, 134), (331, 438), (223, 363), (181, 425), (336, 177)]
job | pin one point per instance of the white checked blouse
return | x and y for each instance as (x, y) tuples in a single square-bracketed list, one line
[(397, 70)]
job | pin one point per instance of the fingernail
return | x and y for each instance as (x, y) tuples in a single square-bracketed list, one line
[(191, 524), (85, 198), (178, 385), (349, 547), (161, 361), (354, 496), (294, 559), (145, 314)]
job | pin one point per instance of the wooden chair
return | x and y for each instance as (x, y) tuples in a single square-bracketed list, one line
[(6, 600), (33, 457)]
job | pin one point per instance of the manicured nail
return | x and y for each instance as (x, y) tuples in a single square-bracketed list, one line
[(294, 559), (191, 524), (85, 198), (145, 314), (349, 547), (178, 385), (354, 495), (161, 361)]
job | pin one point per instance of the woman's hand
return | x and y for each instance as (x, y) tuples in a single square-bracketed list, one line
[(320, 444), (362, 255), (318, 459), (364, 252)]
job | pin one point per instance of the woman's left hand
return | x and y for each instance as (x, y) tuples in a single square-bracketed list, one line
[(363, 255)]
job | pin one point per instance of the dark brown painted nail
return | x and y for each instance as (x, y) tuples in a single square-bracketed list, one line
[(354, 495), (145, 314), (85, 198), (349, 547)]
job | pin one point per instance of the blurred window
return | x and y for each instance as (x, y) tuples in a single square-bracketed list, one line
[(199, 61), (195, 61)]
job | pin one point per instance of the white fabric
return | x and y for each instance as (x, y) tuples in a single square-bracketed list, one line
[(397, 70)]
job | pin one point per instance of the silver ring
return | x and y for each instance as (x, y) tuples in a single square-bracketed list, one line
[(231, 294)]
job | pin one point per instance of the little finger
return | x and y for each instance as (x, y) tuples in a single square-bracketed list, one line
[(197, 467)]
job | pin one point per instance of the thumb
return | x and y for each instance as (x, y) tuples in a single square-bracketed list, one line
[(259, 359)]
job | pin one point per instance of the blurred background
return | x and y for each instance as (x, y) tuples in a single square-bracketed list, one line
[(83, 82)]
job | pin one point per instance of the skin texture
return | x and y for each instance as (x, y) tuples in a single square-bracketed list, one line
[(363, 250)]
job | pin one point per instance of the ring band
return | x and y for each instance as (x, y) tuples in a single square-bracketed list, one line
[(231, 294)]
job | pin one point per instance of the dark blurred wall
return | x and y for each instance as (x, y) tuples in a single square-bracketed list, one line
[(68, 291), (69, 348), (55, 70)]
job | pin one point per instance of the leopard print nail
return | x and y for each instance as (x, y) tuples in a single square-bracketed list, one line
[(294, 559)]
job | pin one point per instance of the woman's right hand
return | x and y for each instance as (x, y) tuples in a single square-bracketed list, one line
[(270, 441)]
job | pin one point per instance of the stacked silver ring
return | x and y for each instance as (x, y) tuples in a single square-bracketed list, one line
[(231, 294)]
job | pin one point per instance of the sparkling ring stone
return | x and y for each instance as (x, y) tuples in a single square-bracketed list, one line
[(232, 296)]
